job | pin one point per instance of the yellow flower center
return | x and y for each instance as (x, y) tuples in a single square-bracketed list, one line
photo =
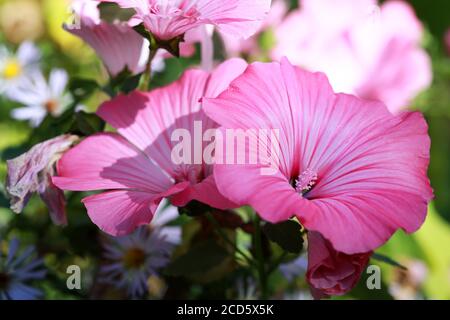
[(12, 69), (134, 258)]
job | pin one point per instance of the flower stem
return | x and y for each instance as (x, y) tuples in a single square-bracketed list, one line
[(222, 234), (260, 258), (147, 76)]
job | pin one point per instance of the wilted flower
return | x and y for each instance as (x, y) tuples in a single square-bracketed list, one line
[(32, 171), (17, 270), (346, 167), (118, 45), (14, 68), (133, 259), (135, 164), (169, 19), (370, 51), (40, 97)]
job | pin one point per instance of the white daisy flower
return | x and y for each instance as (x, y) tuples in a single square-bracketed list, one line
[(14, 68), (40, 97), (132, 260)]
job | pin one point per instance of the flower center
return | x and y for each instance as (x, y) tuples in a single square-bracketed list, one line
[(51, 106), (4, 280), (306, 180), (12, 69), (134, 258), (191, 173)]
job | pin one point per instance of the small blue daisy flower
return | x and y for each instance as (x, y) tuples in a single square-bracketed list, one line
[(133, 259), (17, 270)]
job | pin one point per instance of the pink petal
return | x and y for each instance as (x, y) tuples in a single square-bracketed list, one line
[(223, 75), (119, 213), (118, 45), (237, 18), (205, 192), (148, 119), (271, 196), (108, 161)]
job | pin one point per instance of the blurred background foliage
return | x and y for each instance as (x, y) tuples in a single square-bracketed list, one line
[(425, 254)]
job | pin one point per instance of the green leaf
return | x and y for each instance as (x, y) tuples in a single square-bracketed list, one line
[(52, 127), (124, 82), (288, 235), (172, 45), (140, 28), (194, 209), (111, 12), (361, 291), (81, 89), (201, 258), (87, 123), (4, 202), (131, 83), (386, 259)]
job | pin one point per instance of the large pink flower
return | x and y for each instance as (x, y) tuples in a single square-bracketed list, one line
[(347, 168), (135, 164), (117, 44), (365, 50), (332, 273), (168, 19)]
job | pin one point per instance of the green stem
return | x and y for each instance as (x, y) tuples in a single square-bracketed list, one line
[(147, 77), (260, 258), (222, 234)]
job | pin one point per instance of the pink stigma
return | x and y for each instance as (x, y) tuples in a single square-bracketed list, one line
[(306, 180)]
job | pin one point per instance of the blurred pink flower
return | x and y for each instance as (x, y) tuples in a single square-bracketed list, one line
[(347, 168), (117, 44), (236, 47), (332, 273), (135, 164), (168, 19), (365, 50), (447, 41), (32, 171)]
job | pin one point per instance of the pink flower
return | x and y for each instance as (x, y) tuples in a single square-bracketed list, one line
[(447, 41), (117, 44), (346, 167), (135, 165), (168, 19), (365, 50), (32, 171), (332, 273), (235, 47)]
